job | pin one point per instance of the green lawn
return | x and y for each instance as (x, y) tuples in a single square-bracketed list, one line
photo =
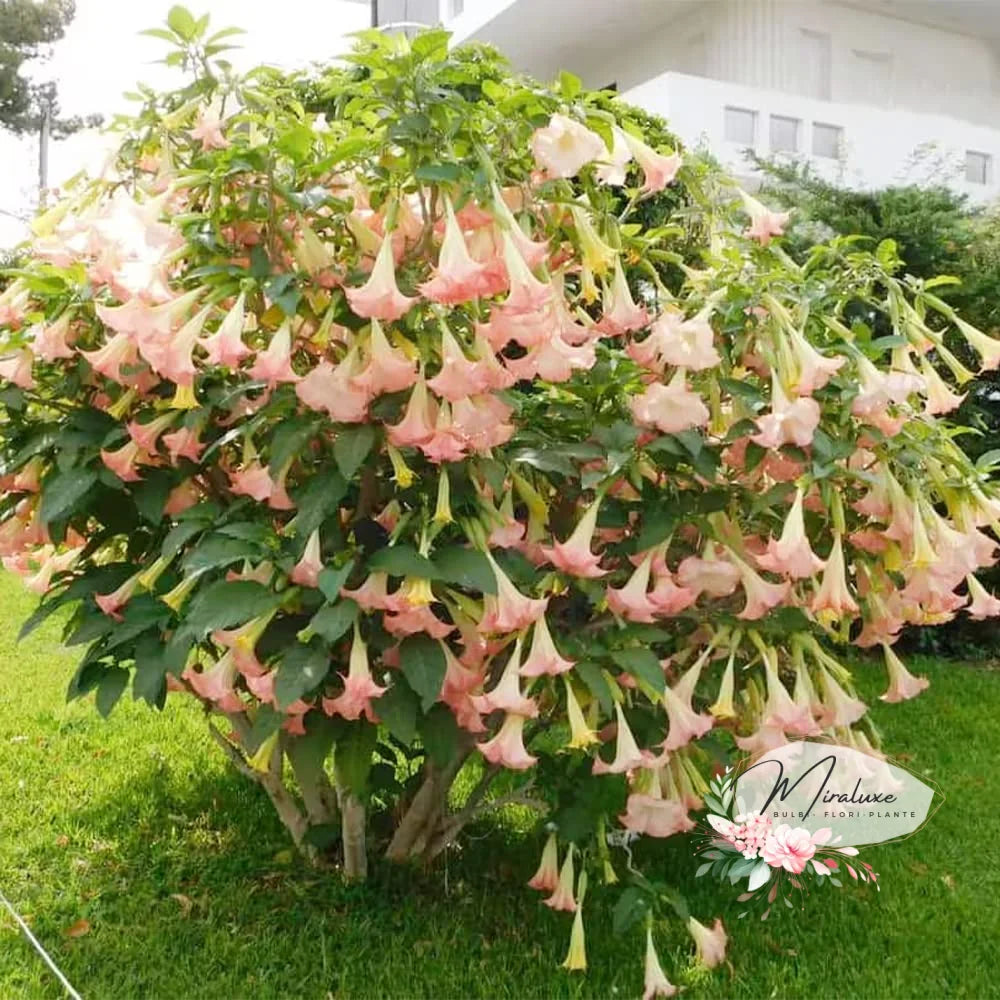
[(137, 826)]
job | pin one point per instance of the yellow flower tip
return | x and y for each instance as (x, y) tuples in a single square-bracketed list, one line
[(576, 957), (184, 398), (261, 760)]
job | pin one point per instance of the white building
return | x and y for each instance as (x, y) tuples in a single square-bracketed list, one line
[(870, 92)]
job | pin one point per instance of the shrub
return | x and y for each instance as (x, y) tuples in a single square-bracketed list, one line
[(419, 420)]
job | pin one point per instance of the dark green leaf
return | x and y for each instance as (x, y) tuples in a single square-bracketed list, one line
[(423, 664), (227, 603), (110, 689), (632, 906), (333, 620), (333, 578), (302, 669), (353, 759), (318, 499), (214, 552), (402, 560), (591, 675), (465, 567), (351, 448), (63, 491), (642, 664), (440, 735), (398, 708), (438, 173)]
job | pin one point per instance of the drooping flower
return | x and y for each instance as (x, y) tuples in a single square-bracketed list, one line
[(792, 555), (307, 570), (761, 596), (574, 555), (274, 364), (543, 657), (459, 377), (562, 898), (710, 944), (983, 604), (506, 696), (359, 686), (612, 167), (581, 735), (457, 277), (659, 169), (781, 711), (621, 314), (788, 422), (379, 297), (674, 340), (547, 877), (710, 574), (649, 813), (120, 351), (508, 610), (902, 684), (183, 443), (722, 707), (564, 146), (840, 709), (146, 435), (684, 723), (388, 368), (50, 341), (417, 425), (655, 982), (225, 347), (576, 957), (764, 224), (627, 753), (833, 596), (123, 462), (252, 481), (507, 747), (670, 408), (208, 130)]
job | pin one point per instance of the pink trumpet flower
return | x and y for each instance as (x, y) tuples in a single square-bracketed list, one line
[(628, 756), (814, 370), (459, 377), (613, 167), (123, 462), (112, 603), (225, 347), (788, 422), (373, 594), (674, 340), (791, 555), (764, 224), (181, 498), (183, 443), (940, 398), (781, 711), (670, 408), (507, 747), (632, 601), (379, 297), (411, 620), (51, 340), (902, 684), (659, 169), (146, 435), (508, 610), (216, 683), (841, 709), (506, 696), (173, 358), (562, 897), (254, 481), (274, 364), (833, 596), (307, 570), (527, 294), (388, 369), (983, 604), (685, 724), (547, 877), (621, 314), (108, 360), (543, 657), (761, 596), (564, 146), (710, 575), (655, 982), (710, 944), (332, 390), (457, 277), (417, 425), (574, 556), (359, 686), (208, 130)]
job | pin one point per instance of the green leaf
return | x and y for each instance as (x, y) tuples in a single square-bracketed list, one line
[(179, 535), (465, 567), (318, 499), (353, 759), (351, 448), (398, 708), (289, 440), (302, 669), (592, 675), (569, 85), (632, 906), (439, 733), (266, 723), (150, 496), (63, 491), (181, 21), (227, 603), (333, 620), (214, 552), (333, 578), (423, 664), (642, 664), (149, 682), (438, 173), (402, 560), (110, 689)]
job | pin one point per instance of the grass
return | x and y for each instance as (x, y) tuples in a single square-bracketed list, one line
[(137, 826)]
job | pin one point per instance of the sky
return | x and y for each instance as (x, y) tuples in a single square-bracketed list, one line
[(103, 55)]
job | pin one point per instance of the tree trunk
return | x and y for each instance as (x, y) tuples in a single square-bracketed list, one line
[(352, 812), (318, 794)]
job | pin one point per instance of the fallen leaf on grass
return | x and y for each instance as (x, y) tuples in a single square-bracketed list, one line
[(949, 881), (78, 930), (184, 902), (62, 841)]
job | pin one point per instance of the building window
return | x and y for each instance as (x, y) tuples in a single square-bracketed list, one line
[(827, 140), (741, 126), (978, 167), (784, 134), (450, 9)]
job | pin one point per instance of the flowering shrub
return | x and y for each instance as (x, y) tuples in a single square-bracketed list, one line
[(418, 420)]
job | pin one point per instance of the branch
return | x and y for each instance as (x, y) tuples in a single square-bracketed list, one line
[(233, 753)]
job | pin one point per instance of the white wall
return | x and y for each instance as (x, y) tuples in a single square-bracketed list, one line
[(880, 146)]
